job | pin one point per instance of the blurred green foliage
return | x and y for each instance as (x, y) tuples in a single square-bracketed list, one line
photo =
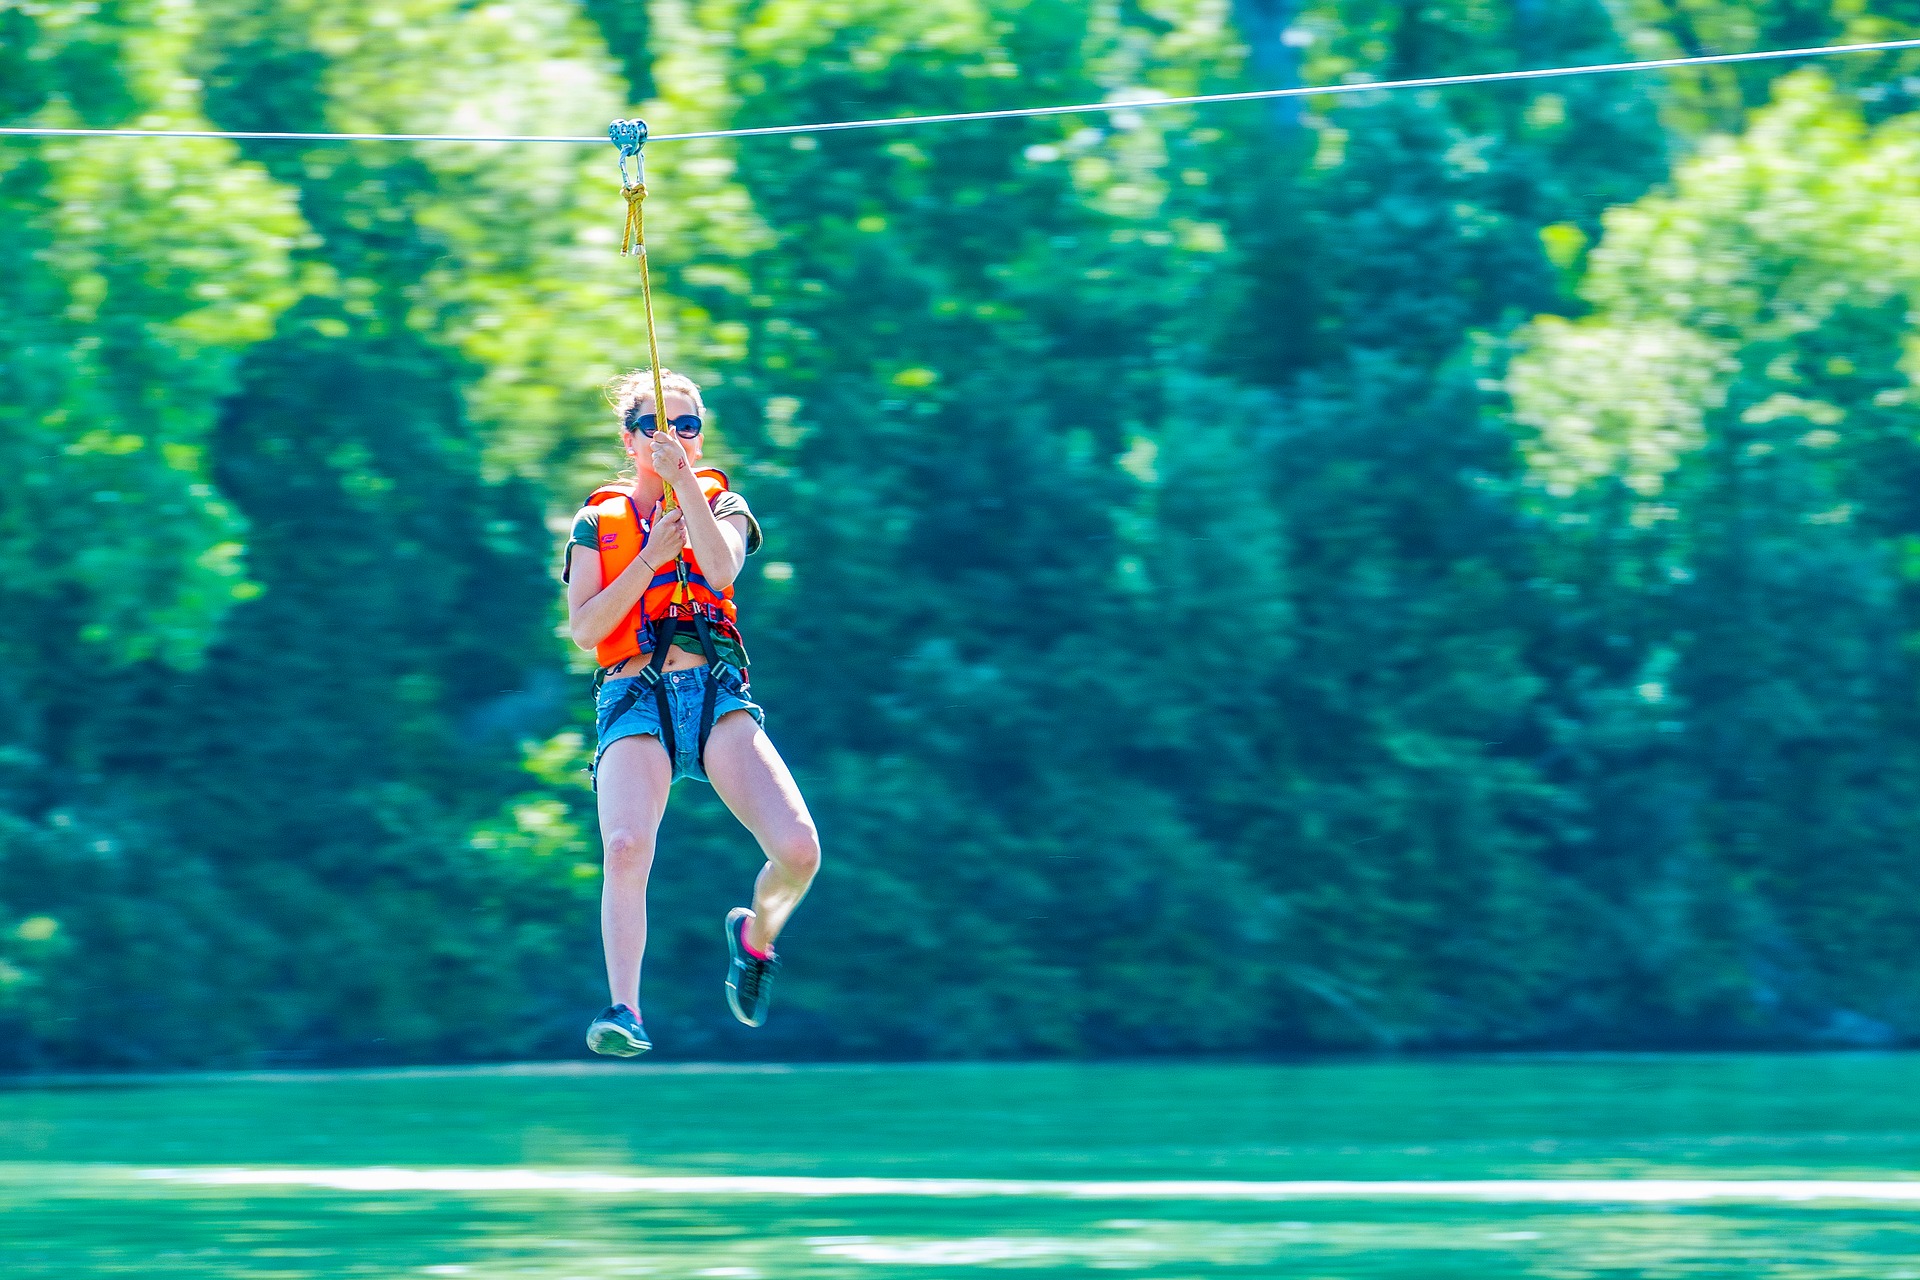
[(1416, 570)]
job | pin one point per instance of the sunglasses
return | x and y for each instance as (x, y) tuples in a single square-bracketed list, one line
[(686, 426)]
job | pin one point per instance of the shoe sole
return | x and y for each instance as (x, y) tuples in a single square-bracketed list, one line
[(616, 1043), (734, 957)]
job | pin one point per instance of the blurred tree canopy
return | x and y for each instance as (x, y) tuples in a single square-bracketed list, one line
[(1403, 570)]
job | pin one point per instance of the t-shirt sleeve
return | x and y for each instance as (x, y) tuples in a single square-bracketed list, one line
[(586, 533), (728, 503)]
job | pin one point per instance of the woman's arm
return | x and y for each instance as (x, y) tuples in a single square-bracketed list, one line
[(719, 545), (729, 536), (593, 611)]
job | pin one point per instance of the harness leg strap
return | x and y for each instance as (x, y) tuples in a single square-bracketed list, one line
[(706, 715), (712, 696), (625, 704), (620, 708), (663, 633)]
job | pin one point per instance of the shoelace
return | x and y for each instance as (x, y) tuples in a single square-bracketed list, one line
[(753, 972)]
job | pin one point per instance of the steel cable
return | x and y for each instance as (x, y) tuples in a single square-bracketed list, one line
[(1008, 113)]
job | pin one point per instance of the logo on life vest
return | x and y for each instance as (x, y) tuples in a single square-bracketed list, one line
[(609, 539)]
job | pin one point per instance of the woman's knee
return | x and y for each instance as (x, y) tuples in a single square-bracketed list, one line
[(797, 852), (627, 852)]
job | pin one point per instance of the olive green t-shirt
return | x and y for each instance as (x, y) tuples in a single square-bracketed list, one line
[(586, 533)]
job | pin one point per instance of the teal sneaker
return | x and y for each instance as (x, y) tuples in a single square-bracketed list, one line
[(749, 978), (618, 1033)]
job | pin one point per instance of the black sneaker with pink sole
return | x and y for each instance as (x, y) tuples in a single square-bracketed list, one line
[(749, 977)]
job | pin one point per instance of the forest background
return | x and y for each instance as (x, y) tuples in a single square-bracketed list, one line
[(1413, 570)]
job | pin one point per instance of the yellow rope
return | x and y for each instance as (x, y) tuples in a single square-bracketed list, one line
[(633, 243)]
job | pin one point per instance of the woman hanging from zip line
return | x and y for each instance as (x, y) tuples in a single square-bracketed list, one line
[(653, 601)]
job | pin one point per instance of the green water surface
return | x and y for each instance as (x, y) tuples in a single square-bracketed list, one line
[(91, 1171)]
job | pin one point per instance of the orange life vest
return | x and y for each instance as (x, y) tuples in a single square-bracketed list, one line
[(623, 532)]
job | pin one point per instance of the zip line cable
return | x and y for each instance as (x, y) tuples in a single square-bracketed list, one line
[(1009, 113)]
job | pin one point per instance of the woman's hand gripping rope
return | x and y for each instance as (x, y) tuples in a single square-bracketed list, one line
[(667, 539), (671, 464)]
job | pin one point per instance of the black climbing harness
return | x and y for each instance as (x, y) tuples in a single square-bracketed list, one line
[(718, 671)]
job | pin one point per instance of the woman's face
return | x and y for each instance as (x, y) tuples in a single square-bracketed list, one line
[(640, 449)]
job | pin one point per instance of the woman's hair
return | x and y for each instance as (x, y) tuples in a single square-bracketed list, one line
[(627, 393)]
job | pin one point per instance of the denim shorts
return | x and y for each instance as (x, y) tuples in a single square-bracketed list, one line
[(686, 693)]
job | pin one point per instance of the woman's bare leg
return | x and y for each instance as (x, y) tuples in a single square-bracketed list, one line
[(635, 776), (753, 780)]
